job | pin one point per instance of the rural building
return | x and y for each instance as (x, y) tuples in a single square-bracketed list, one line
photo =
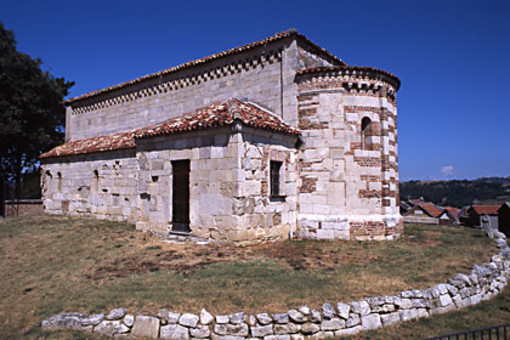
[(449, 216), (483, 216), (464, 216), (274, 138), (504, 218), (422, 212), (405, 207)]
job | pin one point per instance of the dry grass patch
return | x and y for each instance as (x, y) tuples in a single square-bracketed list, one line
[(52, 264)]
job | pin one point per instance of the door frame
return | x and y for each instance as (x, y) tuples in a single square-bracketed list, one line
[(181, 195)]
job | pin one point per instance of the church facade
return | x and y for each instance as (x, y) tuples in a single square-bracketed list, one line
[(270, 140)]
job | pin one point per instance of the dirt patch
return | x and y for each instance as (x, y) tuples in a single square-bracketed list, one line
[(299, 255)]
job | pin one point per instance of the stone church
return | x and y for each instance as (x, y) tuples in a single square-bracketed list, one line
[(275, 139)]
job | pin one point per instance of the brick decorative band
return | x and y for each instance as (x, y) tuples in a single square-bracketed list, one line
[(363, 82), (484, 282)]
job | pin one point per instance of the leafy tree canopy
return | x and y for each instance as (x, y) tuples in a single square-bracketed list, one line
[(32, 115), (458, 193)]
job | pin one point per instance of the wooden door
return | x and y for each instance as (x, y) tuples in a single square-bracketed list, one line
[(180, 199)]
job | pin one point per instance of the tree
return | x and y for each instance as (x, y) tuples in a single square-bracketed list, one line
[(32, 114)]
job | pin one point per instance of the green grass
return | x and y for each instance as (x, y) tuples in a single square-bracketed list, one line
[(52, 264)]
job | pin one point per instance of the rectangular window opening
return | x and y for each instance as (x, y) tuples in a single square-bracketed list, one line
[(275, 180)]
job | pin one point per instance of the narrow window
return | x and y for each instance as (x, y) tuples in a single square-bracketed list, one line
[(47, 185), (153, 203), (115, 200), (59, 182), (275, 178), (95, 182), (365, 132)]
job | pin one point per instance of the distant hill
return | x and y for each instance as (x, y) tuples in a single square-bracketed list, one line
[(458, 193)]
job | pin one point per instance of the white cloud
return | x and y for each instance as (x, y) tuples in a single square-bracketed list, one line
[(447, 170)]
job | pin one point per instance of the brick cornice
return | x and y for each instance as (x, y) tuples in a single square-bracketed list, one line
[(359, 72)]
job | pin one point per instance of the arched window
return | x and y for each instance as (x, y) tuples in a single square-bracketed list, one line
[(59, 182), (366, 125), (94, 185)]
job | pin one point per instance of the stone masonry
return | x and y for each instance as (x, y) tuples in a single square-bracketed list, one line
[(332, 320), (348, 190), (278, 110)]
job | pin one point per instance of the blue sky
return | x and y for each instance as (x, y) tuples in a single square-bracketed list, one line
[(453, 58)]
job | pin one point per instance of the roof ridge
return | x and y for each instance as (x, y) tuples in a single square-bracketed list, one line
[(233, 107), (209, 58)]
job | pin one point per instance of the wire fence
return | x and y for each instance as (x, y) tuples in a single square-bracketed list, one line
[(501, 332), (12, 206)]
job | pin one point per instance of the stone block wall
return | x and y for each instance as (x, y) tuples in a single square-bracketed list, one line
[(342, 183), (213, 172), (348, 179), (228, 184), (264, 75), (181, 93), (420, 219), (103, 185), (264, 217), (332, 320), (307, 59)]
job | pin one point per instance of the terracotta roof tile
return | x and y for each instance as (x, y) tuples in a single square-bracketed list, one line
[(453, 212), (431, 209), (117, 141), (488, 209), (415, 201), (219, 114), (236, 50)]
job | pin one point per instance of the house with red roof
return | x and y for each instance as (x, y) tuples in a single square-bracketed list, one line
[(274, 139), (483, 216), (422, 212), (449, 216)]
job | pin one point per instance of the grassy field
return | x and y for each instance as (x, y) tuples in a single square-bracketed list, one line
[(51, 264)]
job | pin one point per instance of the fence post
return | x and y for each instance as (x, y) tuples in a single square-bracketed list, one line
[(2, 198)]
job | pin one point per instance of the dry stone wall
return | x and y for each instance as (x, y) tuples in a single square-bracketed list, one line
[(484, 282)]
